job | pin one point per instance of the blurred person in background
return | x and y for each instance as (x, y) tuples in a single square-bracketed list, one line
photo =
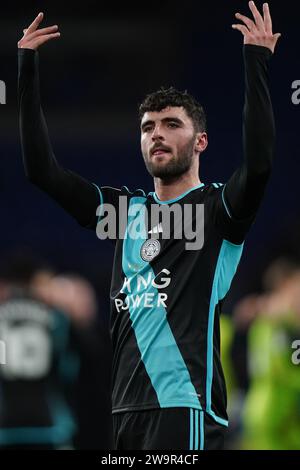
[(75, 296), (271, 411), (156, 346), (40, 362)]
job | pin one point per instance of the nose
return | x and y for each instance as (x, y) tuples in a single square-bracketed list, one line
[(157, 134)]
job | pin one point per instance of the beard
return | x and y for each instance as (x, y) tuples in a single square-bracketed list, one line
[(175, 166)]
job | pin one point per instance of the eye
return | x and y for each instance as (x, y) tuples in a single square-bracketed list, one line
[(173, 125)]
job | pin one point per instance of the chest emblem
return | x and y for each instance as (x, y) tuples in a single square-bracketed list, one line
[(150, 249)]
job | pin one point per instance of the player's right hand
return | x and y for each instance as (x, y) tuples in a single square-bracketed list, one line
[(33, 37)]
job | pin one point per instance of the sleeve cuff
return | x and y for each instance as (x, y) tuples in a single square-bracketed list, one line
[(27, 52), (253, 48)]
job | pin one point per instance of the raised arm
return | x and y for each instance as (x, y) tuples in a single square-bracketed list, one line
[(77, 196), (244, 190)]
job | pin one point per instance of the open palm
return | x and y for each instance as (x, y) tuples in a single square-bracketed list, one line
[(258, 31)]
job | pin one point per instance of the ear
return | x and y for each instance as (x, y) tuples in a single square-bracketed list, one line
[(201, 142)]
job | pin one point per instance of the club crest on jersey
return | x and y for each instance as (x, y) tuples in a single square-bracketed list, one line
[(150, 249)]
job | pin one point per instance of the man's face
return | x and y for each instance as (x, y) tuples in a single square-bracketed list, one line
[(167, 142)]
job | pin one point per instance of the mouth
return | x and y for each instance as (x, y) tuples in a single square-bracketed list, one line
[(160, 151)]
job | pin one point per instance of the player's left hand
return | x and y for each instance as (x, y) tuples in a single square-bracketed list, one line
[(258, 31)]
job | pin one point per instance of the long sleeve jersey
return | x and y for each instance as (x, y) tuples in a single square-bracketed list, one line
[(165, 299)]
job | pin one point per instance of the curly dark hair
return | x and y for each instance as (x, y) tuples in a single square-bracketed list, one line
[(164, 97)]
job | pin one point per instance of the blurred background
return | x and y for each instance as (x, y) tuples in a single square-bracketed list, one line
[(93, 78)]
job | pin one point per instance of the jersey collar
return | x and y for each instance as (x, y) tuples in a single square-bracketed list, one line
[(170, 201)]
